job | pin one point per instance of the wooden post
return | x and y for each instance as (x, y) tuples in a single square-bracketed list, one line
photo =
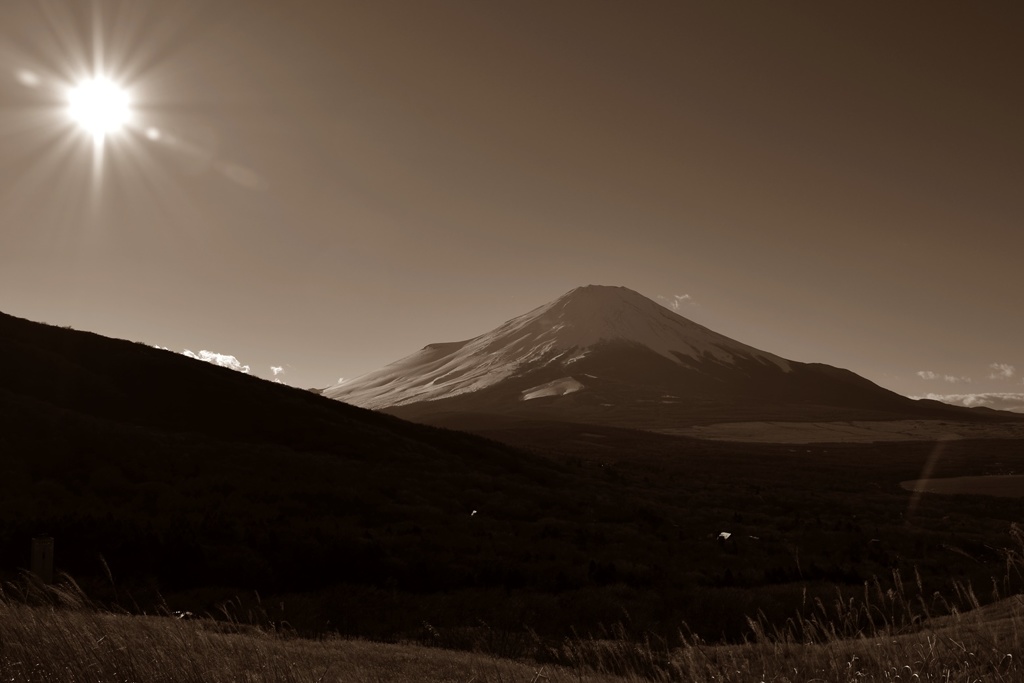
[(42, 558)]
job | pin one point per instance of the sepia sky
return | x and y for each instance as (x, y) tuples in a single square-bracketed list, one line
[(324, 187)]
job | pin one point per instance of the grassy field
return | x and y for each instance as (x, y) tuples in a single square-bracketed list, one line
[(1007, 486), (55, 634)]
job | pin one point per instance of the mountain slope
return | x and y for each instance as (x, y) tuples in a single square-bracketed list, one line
[(556, 335), (610, 355)]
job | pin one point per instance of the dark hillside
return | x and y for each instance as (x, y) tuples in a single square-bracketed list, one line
[(134, 385), (184, 475)]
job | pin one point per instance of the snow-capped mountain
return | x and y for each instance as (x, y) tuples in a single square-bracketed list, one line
[(608, 354)]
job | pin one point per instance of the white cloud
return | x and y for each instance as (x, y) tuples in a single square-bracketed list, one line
[(676, 301), (221, 359), (276, 369), (1002, 371), (952, 379), (1013, 402)]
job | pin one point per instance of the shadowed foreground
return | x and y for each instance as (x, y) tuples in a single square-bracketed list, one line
[(187, 484), (54, 634)]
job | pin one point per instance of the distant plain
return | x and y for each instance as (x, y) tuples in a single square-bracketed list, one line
[(855, 431), (1001, 485)]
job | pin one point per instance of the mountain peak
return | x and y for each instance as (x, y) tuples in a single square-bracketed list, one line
[(605, 291), (589, 299), (552, 338), (593, 314), (603, 296)]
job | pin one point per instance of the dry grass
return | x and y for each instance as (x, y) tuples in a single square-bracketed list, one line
[(883, 635), (54, 634)]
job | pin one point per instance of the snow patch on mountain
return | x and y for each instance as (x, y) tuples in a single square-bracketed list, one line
[(558, 387)]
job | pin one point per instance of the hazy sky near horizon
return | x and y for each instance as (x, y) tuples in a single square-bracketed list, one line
[(325, 187)]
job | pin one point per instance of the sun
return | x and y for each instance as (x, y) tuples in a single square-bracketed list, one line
[(99, 106)]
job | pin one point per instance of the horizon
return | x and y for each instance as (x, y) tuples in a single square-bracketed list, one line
[(314, 192)]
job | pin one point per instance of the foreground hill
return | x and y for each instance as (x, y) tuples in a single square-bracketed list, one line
[(608, 355), (178, 475), (63, 374)]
